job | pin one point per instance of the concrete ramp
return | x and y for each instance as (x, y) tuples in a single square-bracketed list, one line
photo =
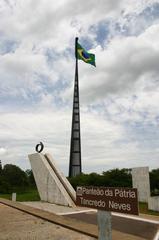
[(52, 185)]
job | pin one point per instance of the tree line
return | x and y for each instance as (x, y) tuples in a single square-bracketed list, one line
[(114, 178), (14, 179)]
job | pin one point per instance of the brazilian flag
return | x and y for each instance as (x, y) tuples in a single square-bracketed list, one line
[(85, 56)]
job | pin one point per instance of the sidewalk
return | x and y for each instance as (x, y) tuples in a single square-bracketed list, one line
[(85, 231), (17, 225)]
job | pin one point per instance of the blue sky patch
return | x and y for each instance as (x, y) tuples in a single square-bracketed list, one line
[(8, 46)]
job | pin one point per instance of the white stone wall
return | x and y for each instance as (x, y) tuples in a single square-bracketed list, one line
[(140, 179), (49, 186), (153, 203)]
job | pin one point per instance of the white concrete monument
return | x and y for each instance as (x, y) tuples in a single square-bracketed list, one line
[(140, 179), (52, 185)]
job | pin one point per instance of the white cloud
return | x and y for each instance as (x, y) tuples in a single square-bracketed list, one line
[(20, 132), (45, 21), (124, 63), (2, 151), (39, 71)]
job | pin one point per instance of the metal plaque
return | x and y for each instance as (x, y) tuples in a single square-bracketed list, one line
[(115, 199)]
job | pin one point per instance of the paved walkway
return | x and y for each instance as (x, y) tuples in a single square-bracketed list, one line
[(89, 231), (17, 225), (143, 226)]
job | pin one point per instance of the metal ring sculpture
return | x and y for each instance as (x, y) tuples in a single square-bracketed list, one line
[(39, 147)]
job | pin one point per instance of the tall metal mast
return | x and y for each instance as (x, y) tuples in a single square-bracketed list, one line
[(75, 148)]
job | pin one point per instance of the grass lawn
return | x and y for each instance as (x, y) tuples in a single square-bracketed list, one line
[(30, 195), (143, 208)]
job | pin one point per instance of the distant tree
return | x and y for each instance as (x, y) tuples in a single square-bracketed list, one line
[(0, 167), (79, 180), (117, 178), (30, 176), (112, 178), (95, 179), (2, 183), (15, 177), (154, 181)]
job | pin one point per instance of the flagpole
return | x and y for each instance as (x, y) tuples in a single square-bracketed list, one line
[(76, 42), (80, 163), (75, 147)]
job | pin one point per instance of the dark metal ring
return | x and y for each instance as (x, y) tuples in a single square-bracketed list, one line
[(41, 145)]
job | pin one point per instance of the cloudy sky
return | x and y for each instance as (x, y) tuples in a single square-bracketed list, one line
[(119, 99)]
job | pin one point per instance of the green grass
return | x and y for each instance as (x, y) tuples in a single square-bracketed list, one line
[(30, 195), (6, 196), (143, 208)]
